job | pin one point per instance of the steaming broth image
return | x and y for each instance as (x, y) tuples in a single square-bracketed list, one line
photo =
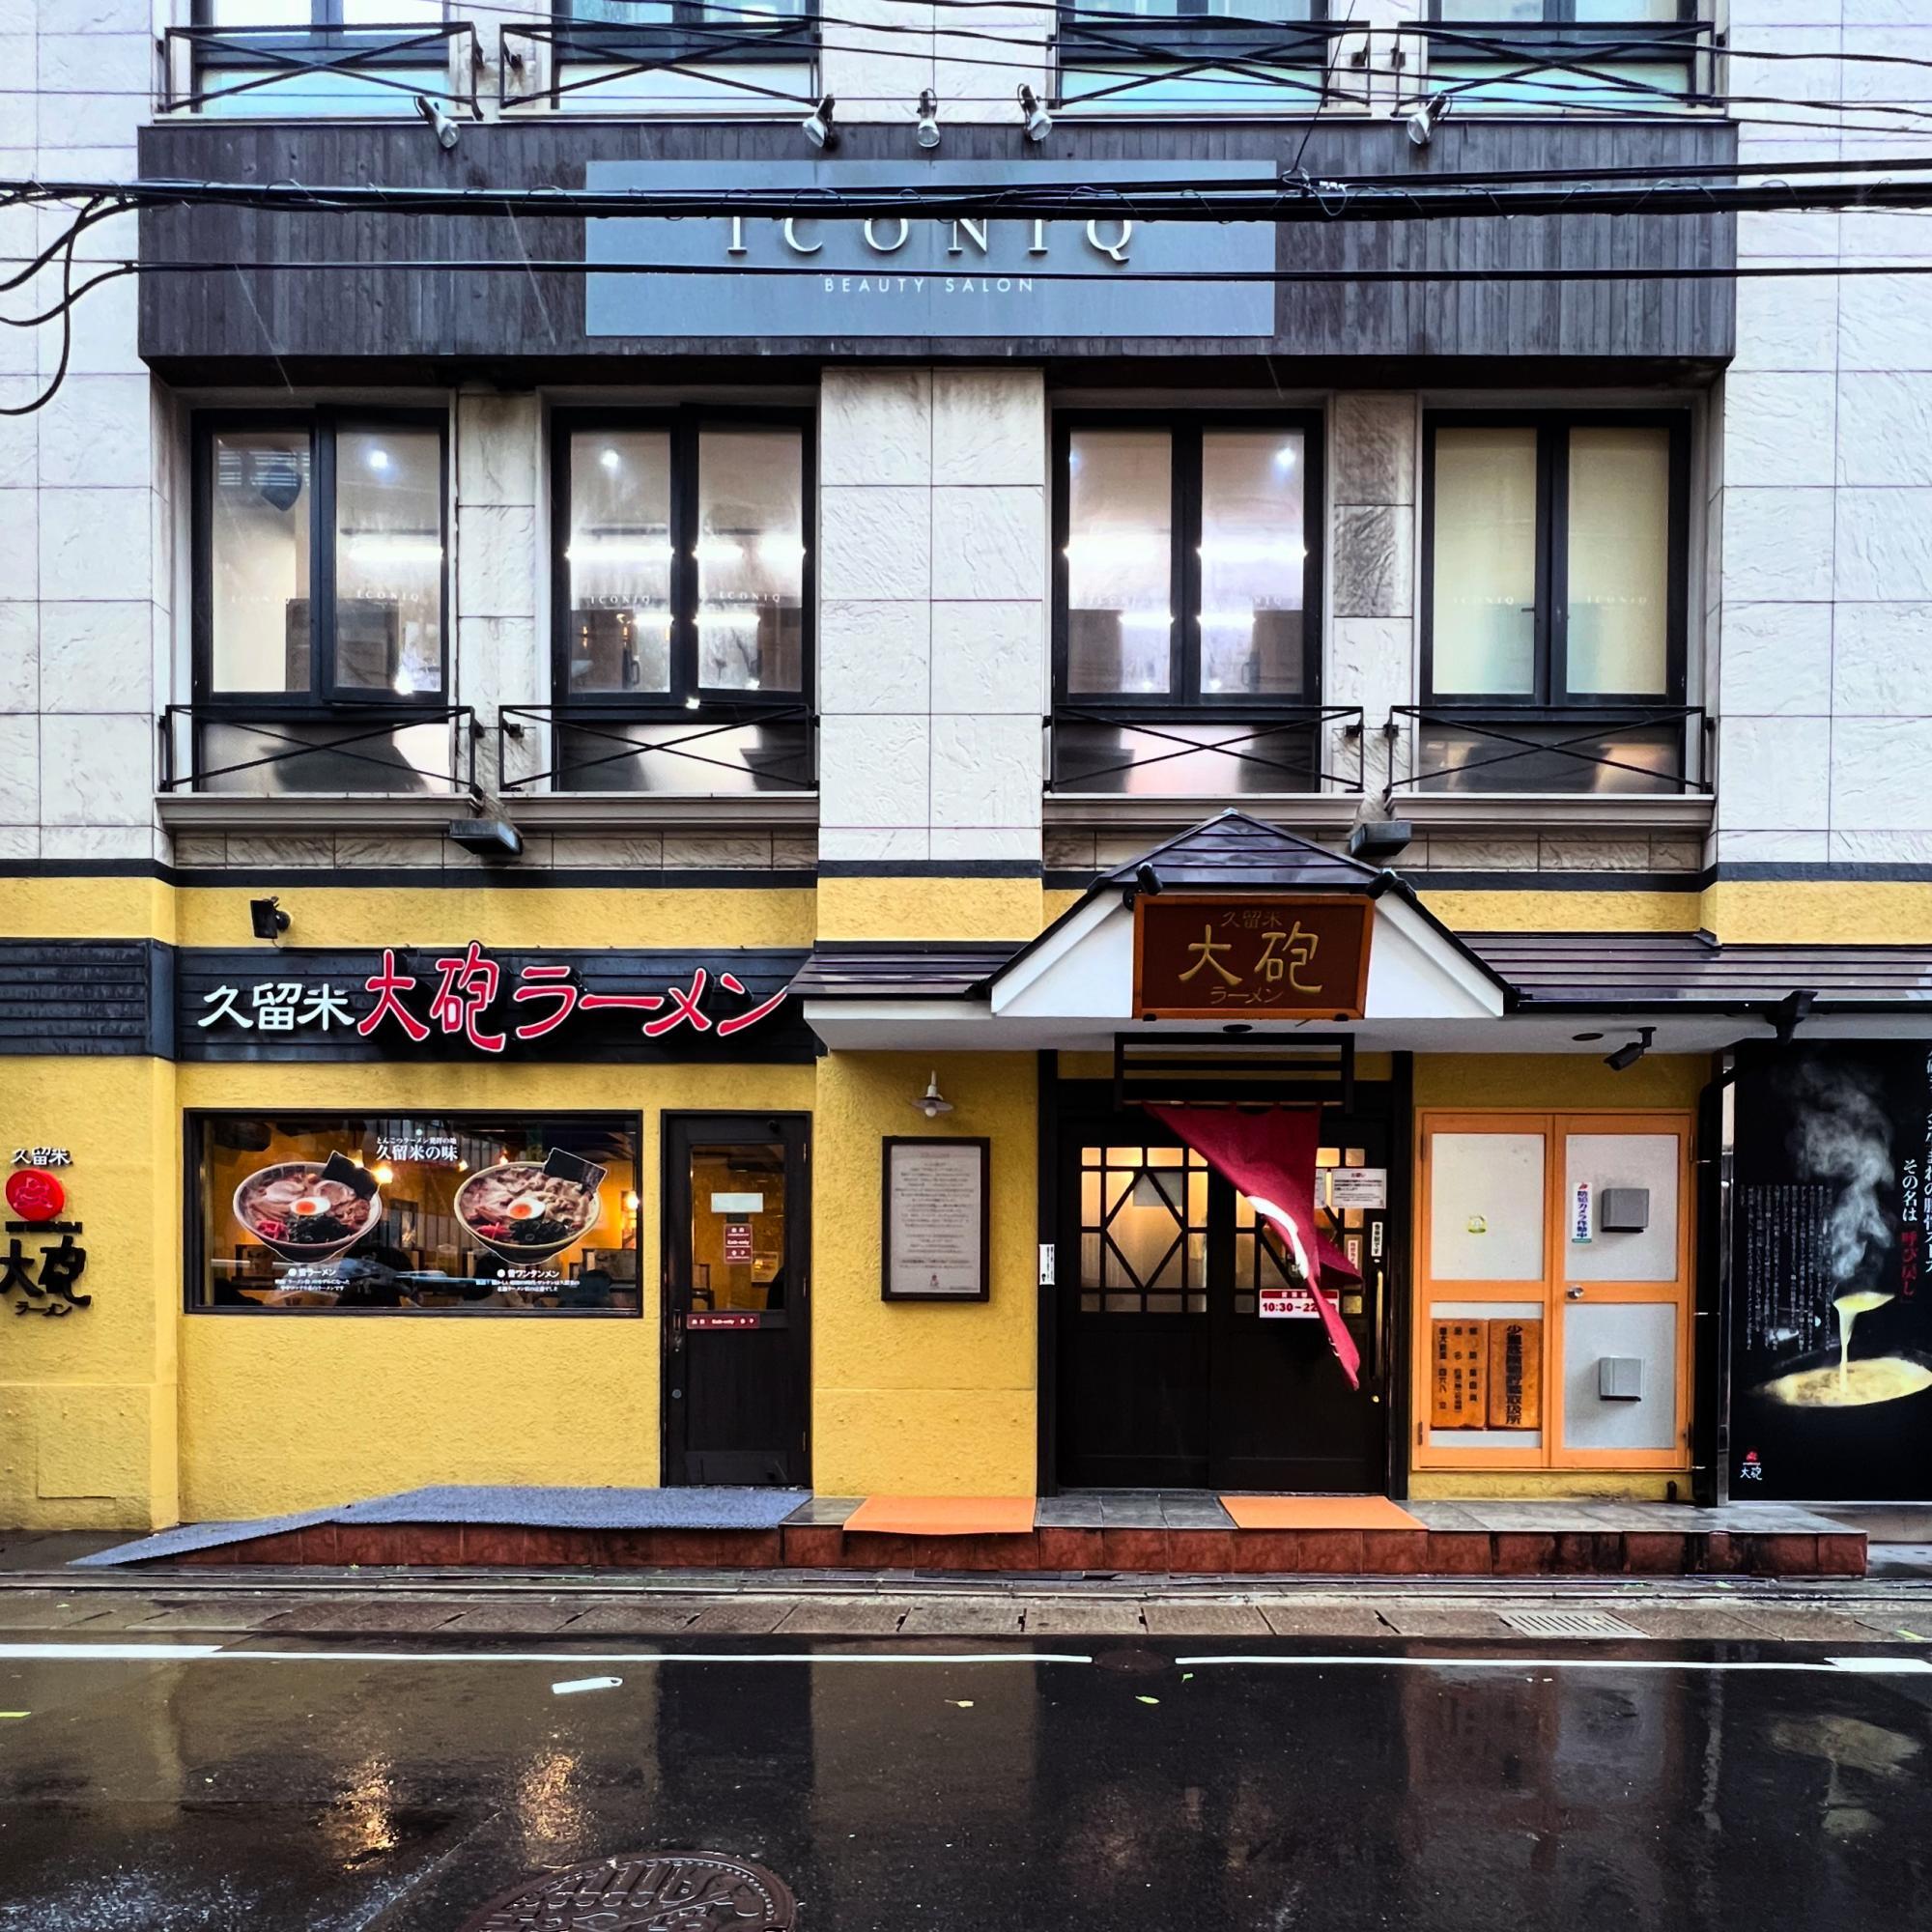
[(1852, 1384), (1857, 1385)]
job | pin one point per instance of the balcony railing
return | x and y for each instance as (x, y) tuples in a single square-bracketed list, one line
[(1122, 751), (341, 72), (720, 750), (381, 749), (555, 60), (1623, 66), (1636, 748), (1098, 31)]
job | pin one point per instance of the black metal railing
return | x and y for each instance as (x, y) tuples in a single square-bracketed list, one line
[(1606, 64), (344, 747), (1607, 748), (371, 69), (1098, 33), (718, 749), (538, 61), (1202, 751)]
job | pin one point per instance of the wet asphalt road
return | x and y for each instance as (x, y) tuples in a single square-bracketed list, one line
[(1402, 1786)]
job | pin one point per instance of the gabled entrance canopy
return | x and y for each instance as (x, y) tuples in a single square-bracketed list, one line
[(1427, 989)]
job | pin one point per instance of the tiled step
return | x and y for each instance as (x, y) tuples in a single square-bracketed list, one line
[(1783, 1546)]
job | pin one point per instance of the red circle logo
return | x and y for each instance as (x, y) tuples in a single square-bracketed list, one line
[(34, 1194)]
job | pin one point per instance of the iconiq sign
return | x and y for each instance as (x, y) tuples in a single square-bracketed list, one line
[(917, 275)]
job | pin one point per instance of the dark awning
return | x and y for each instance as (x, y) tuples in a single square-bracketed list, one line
[(1628, 970), (935, 971)]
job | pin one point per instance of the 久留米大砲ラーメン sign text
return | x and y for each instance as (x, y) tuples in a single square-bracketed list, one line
[(473, 1001), (1103, 274)]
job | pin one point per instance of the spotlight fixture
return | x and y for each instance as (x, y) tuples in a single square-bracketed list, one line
[(1148, 880), (267, 919), (818, 127), (1631, 1051), (1379, 838), (1034, 118), (1423, 123), (928, 118), (446, 129), (932, 1102)]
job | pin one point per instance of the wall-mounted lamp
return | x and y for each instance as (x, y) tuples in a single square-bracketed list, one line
[(1148, 880), (932, 1102), (1034, 118), (927, 131), (267, 920), (818, 127), (1423, 123), (446, 129), (1632, 1051)]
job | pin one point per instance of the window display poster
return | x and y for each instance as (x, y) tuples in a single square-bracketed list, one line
[(1831, 1340), (936, 1219)]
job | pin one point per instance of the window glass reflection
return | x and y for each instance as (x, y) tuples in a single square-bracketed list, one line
[(458, 1213), (1120, 598), (750, 559), (1483, 634), (1252, 562), (618, 560), (259, 607), (1616, 642), (388, 561), (738, 1227)]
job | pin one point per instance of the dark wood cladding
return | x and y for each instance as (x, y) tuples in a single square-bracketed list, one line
[(257, 322)]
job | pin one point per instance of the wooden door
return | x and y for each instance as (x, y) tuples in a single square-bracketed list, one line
[(737, 1298)]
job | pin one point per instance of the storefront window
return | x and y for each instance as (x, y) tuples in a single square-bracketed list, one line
[(453, 1213)]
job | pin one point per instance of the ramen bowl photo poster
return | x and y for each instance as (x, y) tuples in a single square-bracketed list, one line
[(1831, 1310)]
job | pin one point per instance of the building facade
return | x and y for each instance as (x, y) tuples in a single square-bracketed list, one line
[(653, 842)]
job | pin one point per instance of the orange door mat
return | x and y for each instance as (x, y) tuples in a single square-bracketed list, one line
[(1317, 1513), (942, 1516)]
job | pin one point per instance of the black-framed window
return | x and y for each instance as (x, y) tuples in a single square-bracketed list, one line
[(321, 560), (683, 564), (655, 29), (303, 19), (1187, 561), (428, 1211), (1555, 560), (1561, 13)]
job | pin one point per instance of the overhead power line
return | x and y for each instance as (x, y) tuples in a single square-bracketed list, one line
[(1833, 188)]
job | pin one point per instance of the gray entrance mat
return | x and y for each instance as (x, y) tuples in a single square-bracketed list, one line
[(516, 1505)]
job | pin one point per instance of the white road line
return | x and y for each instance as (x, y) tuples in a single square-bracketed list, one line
[(1869, 1667), (207, 1653)]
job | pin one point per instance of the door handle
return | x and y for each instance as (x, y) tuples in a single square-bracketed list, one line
[(1574, 1293)]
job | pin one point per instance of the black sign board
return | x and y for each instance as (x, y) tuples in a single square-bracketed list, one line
[(471, 1002), (1830, 1307)]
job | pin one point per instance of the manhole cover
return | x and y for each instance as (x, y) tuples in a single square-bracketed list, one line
[(651, 1891), (1568, 1622)]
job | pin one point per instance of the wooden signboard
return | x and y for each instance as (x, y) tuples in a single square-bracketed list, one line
[(1516, 1374), (1459, 1360), (1218, 956)]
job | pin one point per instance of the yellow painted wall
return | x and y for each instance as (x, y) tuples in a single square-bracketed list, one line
[(1570, 1082), (87, 1400), (877, 908), (918, 1398), (282, 1412)]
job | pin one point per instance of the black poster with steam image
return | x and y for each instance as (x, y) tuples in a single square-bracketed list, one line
[(1830, 1307)]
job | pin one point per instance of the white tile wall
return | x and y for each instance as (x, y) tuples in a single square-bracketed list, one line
[(932, 575)]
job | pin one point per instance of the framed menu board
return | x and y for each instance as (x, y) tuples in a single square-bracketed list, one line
[(936, 1218)]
